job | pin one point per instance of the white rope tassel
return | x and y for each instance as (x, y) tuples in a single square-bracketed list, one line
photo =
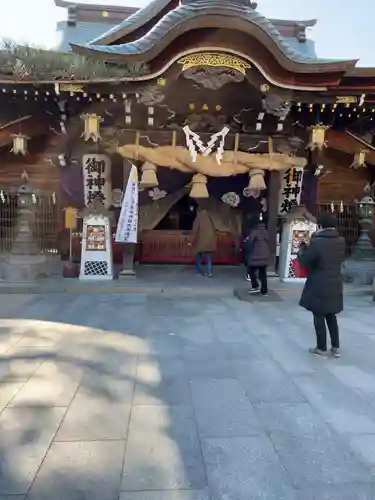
[(2, 197)]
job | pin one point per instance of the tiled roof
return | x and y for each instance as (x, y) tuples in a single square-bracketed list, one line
[(195, 10), (306, 48), (134, 21)]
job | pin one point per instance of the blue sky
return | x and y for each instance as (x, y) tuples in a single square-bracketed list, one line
[(346, 28)]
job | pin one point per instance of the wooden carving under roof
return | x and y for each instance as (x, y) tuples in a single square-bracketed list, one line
[(213, 70)]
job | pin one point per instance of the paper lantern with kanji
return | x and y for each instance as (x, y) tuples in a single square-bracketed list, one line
[(19, 144), (92, 123), (359, 159), (317, 137)]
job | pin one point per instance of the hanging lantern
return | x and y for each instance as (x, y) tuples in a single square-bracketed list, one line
[(199, 187), (149, 178), (359, 159), (317, 137), (92, 126), (19, 144)]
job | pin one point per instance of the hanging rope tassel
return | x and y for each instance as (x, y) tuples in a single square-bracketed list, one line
[(199, 188)]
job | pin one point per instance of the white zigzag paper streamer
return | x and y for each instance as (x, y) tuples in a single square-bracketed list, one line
[(193, 141)]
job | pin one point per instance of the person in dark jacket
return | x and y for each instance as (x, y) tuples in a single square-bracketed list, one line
[(258, 255), (323, 290)]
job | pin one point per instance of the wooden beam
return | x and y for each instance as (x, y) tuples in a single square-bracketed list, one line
[(347, 143), (31, 128), (18, 120)]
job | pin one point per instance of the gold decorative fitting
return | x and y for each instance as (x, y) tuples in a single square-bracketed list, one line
[(149, 178), (264, 88), (161, 82), (19, 144), (215, 60), (92, 126), (68, 87), (317, 137), (359, 159), (218, 107), (199, 187), (205, 107), (191, 106), (105, 13), (346, 99)]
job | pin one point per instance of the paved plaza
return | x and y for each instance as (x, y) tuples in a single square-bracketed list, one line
[(163, 397)]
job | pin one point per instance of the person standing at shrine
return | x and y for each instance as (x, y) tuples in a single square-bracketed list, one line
[(204, 241), (323, 290), (258, 255)]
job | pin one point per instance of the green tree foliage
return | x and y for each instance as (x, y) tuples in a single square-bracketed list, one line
[(32, 63)]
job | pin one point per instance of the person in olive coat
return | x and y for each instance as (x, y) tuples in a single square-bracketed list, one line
[(204, 240), (323, 290)]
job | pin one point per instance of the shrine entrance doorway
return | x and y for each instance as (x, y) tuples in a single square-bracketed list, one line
[(168, 242)]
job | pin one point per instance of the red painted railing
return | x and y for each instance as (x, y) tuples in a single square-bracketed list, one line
[(173, 247), (169, 247)]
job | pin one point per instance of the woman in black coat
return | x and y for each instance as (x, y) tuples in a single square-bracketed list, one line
[(323, 291), (258, 255)]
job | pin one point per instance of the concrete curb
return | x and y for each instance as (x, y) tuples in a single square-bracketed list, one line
[(57, 288), (66, 287)]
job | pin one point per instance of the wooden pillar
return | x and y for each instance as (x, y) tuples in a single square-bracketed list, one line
[(273, 213), (127, 268)]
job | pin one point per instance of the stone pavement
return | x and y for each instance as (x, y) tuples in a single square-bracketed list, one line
[(154, 397)]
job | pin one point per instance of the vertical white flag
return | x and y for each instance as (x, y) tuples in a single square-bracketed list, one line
[(127, 227)]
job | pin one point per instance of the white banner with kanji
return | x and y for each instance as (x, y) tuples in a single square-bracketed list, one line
[(97, 179), (290, 189), (127, 227)]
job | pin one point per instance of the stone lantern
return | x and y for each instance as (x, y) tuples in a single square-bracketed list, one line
[(363, 247), (25, 262), (360, 267)]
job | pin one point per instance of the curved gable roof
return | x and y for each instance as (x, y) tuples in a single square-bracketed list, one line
[(226, 12), (133, 22)]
